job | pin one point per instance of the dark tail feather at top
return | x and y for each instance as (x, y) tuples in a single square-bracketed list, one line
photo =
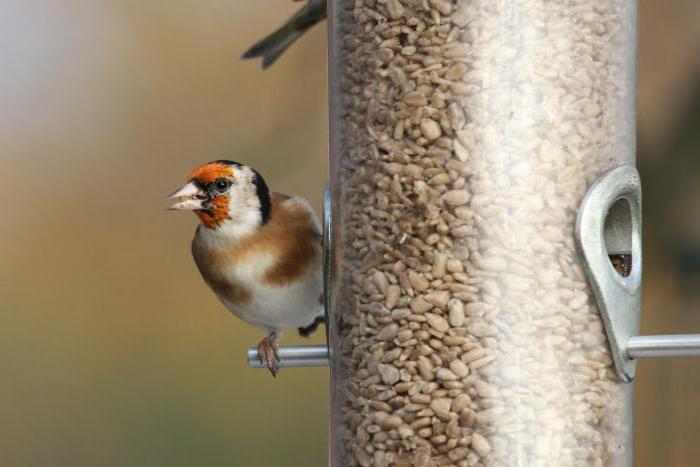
[(272, 46)]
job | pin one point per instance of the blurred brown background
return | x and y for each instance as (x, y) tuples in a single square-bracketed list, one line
[(112, 350)]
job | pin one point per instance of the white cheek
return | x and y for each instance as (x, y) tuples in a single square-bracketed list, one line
[(243, 211)]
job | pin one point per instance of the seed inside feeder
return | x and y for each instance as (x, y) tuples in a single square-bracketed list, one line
[(466, 133)]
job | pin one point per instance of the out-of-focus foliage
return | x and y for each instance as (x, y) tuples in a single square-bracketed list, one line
[(112, 350)]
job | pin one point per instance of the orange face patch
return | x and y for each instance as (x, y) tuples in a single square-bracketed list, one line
[(207, 173), (217, 207), (216, 214)]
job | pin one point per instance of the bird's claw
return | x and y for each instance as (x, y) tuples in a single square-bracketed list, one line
[(267, 353)]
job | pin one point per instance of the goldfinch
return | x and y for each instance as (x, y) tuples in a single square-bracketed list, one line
[(272, 46), (259, 252)]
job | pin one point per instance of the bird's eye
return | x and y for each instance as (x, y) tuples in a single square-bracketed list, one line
[(222, 185)]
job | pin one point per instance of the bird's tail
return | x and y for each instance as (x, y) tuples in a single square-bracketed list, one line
[(272, 46), (306, 331)]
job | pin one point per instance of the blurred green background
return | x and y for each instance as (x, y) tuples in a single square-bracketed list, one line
[(112, 350)]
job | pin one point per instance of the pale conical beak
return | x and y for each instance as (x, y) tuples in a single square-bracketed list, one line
[(190, 198)]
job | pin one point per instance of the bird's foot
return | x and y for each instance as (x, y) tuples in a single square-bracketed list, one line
[(267, 352)]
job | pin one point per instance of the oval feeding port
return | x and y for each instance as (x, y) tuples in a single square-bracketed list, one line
[(618, 236)]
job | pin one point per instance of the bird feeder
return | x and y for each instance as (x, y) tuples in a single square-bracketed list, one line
[(466, 136), (484, 257)]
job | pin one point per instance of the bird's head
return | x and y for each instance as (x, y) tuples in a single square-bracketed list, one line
[(226, 196)]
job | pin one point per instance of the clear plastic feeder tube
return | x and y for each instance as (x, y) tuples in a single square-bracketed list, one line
[(464, 134)]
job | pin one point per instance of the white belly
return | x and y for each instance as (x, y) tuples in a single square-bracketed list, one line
[(276, 307)]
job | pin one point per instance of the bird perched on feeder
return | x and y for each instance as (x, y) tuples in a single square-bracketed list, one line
[(272, 46), (260, 252)]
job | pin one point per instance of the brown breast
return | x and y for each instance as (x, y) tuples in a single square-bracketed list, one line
[(211, 262), (290, 235)]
